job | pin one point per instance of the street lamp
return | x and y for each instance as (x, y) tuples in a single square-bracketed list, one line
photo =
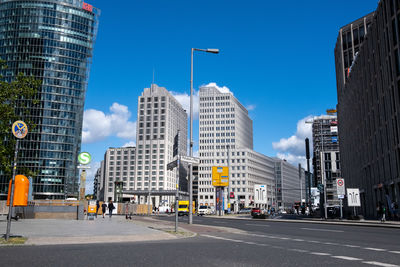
[(208, 50), (321, 167)]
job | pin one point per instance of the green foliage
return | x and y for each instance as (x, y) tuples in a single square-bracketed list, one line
[(16, 98)]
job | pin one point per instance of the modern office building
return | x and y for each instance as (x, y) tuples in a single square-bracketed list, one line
[(369, 112), (348, 45), (99, 183), (118, 170), (160, 117), (290, 184), (326, 157), (226, 139), (53, 41)]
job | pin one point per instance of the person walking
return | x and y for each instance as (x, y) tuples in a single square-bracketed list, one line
[(110, 208), (97, 207), (103, 208)]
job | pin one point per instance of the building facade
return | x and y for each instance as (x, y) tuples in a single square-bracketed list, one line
[(226, 139), (290, 185), (160, 117), (326, 157), (348, 45), (119, 169), (369, 111), (53, 41)]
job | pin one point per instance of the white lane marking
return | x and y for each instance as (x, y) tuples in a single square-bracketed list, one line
[(298, 240), (298, 250), (320, 254), (283, 238), (323, 230), (396, 252), (351, 246), (380, 264), (376, 249), (330, 243), (313, 241), (250, 243), (347, 258), (265, 225)]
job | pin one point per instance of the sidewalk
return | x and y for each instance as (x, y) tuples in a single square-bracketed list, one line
[(368, 223), (99, 230)]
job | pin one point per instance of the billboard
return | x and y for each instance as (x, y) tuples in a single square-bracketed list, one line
[(260, 194), (220, 176)]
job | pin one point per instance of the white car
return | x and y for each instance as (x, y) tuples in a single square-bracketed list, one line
[(204, 210)]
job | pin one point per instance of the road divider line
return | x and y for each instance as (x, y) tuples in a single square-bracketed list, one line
[(323, 230), (320, 254), (396, 252), (380, 264), (347, 258), (376, 249)]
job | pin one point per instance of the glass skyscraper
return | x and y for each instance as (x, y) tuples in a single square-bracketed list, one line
[(52, 40)]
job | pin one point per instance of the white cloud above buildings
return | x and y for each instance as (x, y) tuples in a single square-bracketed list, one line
[(184, 100), (97, 125), (251, 107), (293, 148), (130, 144), (222, 89)]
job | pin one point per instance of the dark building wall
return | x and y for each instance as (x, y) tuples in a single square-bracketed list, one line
[(368, 112)]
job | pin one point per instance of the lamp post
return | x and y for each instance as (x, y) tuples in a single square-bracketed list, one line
[(321, 153), (208, 50)]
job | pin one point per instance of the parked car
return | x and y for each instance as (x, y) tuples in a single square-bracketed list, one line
[(204, 210), (245, 211), (257, 213)]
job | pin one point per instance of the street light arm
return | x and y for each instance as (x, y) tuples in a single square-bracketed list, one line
[(208, 50)]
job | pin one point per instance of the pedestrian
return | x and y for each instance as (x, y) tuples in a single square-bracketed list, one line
[(110, 208), (103, 208), (97, 207)]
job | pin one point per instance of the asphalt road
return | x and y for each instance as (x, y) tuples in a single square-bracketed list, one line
[(253, 243)]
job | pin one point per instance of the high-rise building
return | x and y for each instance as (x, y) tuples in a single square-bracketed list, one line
[(348, 45), (369, 112), (326, 158), (160, 117), (226, 139), (53, 41), (290, 184), (119, 169)]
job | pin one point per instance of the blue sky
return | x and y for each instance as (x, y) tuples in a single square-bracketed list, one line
[(275, 56)]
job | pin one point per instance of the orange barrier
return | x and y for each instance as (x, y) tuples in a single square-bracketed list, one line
[(21, 191)]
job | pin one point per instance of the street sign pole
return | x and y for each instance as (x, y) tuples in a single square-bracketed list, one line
[(19, 130), (10, 210), (177, 196)]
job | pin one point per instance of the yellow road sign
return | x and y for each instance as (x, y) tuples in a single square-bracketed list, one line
[(220, 176)]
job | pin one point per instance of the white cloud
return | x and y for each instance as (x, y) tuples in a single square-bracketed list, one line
[(293, 148), (184, 100), (293, 159), (90, 173), (251, 107), (97, 125), (222, 89), (130, 144)]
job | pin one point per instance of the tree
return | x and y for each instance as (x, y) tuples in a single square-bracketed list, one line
[(16, 98)]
